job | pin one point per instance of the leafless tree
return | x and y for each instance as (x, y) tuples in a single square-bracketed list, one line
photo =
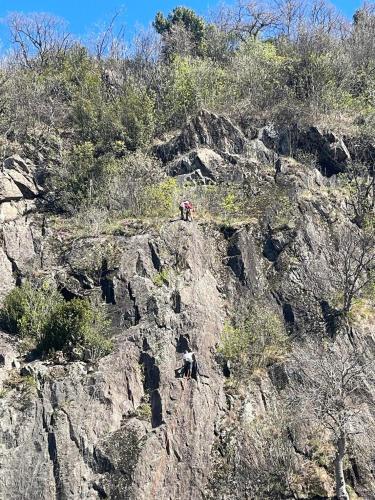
[(39, 38), (331, 386), (260, 462), (109, 41), (324, 16), (248, 19), (291, 15), (143, 63), (355, 266), (362, 192), (146, 46)]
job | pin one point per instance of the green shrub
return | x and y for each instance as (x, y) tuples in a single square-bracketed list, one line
[(40, 316), (160, 200), (84, 177), (144, 412), (192, 84), (26, 308), (257, 342), (161, 278), (76, 324), (231, 204), (3, 393)]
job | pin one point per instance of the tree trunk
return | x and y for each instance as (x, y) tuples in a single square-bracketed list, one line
[(341, 492)]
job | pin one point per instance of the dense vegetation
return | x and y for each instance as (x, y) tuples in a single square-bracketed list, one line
[(95, 110), (38, 314)]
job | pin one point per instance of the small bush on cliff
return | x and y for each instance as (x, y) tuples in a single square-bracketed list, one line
[(40, 315), (160, 200), (74, 326), (26, 308), (161, 278), (257, 342)]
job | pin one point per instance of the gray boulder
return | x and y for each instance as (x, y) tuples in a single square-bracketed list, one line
[(25, 183), (8, 211), (206, 160), (208, 130), (15, 162), (19, 243), (22, 173), (205, 166), (330, 150), (8, 189), (7, 280)]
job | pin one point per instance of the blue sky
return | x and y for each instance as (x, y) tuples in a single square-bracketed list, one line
[(83, 15)]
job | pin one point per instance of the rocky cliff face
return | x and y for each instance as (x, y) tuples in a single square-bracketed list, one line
[(127, 427)]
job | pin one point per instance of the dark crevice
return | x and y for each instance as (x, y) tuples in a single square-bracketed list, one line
[(101, 463), (100, 491), (351, 335), (272, 248), (151, 371), (16, 272), (235, 262), (228, 232), (68, 294), (176, 301), (288, 317), (331, 318), (140, 268), (156, 262), (278, 375), (263, 399), (355, 474), (72, 434), (106, 284), (85, 281), (52, 452), (26, 192), (131, 315), (156, 409), (198, 164), (182, 343), (226, 369), (130, 394), (152, 306), (151, 386), (234, 259), (145, 345)]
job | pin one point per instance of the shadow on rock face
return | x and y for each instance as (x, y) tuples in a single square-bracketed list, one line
[(288, 315), (106, 284), (331, 318), (151, 387), (156, 409), (272, 249), (176, 302), (183, 343)]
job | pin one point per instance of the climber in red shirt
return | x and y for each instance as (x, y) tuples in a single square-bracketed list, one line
[(186, 209)]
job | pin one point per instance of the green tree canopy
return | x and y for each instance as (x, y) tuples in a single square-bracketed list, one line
[(182, 17)]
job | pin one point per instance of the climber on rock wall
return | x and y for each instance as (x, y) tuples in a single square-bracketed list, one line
[(188, 359)]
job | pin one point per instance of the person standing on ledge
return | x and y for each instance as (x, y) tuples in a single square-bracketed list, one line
[(186, 209)]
